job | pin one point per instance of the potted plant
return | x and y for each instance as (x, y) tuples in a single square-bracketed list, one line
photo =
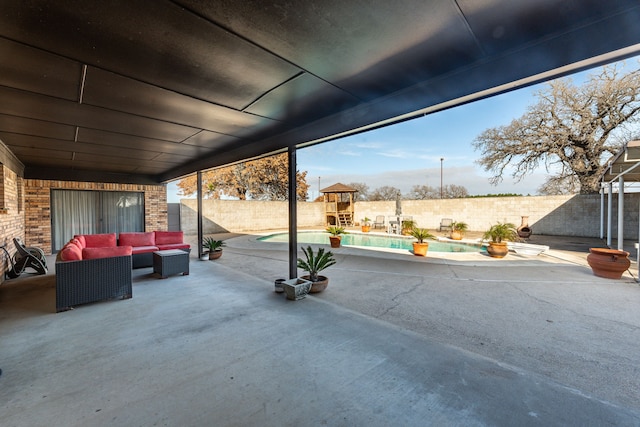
[(421, 234), (498, 235), (366, 225), (214, 246), (458, 229), (335, 237), (315, 263), (407, 226)]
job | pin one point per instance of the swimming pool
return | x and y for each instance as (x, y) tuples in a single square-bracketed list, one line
[(367, 240)]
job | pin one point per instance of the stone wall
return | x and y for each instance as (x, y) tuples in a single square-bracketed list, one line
[(38, 206), (571, 215), (220, 216)]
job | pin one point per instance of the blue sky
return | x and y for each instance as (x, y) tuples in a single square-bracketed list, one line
[(409, 153)]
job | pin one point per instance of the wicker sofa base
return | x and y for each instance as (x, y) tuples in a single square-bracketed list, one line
[(85, 281)]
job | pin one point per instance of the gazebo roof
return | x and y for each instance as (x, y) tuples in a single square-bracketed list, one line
[(338, 188)]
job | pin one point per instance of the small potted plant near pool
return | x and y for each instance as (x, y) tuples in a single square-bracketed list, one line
[(407, 226), (366, 225), (335, 235), (214, 246), (313, 264), (421, 247), (498, 235), (458, 229)]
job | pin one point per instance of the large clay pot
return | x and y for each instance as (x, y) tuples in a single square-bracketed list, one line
[(498, 249), (608, 263), (366, 228), (456, 235), (318, 286), (215, 254), (335, 241), (420, 249)]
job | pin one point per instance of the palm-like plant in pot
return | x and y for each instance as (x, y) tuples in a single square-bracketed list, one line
[(335, 237), (421, 234), (366, 225), (458, 229), (315, 263), (498, 235), (214, 246)]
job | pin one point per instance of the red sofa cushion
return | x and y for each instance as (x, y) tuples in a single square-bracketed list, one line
[(80, 238), (137, 239), (71, 252), (174, 246), (105, 240), (143, 249), (169, 237), (93, 253)]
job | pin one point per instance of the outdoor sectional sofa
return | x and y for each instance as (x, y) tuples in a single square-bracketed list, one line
[(95, 267)]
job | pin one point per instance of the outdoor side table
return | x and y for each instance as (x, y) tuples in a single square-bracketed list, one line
[(171, 261)]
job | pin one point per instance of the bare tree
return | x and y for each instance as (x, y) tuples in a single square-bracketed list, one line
[(571, 129), (262, 179), (425, 192), (384, 193), (363, 190)]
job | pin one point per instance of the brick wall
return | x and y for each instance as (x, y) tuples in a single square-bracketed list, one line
[(38, 206), (11, 218)]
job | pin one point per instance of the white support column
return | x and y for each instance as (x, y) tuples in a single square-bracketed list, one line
[(609, 212), (620, 212), (638, 243)]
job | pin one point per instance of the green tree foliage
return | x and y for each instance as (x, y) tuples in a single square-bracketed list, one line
[(263, 179), (572, 131)]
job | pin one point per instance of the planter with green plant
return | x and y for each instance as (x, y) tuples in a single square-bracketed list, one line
[(498, 236), (365, 224), (315, 263), (406, 226), (421, 247), (458, 229), (214, 246), (335, 235)]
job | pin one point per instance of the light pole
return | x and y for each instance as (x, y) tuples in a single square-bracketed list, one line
[(441, 160)]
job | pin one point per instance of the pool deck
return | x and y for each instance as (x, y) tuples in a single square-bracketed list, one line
[(394, 340)]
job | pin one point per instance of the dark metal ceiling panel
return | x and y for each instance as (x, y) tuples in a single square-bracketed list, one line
[(104, 89), (211, 140), (23, 67), (22, 125), (154, 41), (366, 47), (117, 140), (30, 105)]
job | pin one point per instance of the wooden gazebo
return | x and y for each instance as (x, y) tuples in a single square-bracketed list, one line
[(339, 204)]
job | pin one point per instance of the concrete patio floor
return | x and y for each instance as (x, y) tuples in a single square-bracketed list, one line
[(394, 340)]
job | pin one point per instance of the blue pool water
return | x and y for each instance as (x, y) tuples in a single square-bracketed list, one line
[(395, 242)]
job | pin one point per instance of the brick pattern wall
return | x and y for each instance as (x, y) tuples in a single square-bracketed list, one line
[(11, 220), (38, 206)]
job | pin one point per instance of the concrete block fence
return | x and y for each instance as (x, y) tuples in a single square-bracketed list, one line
[(567, 215)]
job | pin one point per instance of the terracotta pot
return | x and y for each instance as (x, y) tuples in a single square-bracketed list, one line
[(608, 263), (215, 254), (456, 235), (335, 241), (524, 231), (498, 249), (319, 286), (420, 249), (366, 228)]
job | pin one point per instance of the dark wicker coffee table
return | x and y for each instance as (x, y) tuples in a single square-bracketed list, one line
[(172, 261)]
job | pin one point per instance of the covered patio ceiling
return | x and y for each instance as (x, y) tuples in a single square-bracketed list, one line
[(148, 91), (625, 163)]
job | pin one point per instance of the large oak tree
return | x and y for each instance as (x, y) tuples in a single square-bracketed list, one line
[(572, 131), (262, 179)]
